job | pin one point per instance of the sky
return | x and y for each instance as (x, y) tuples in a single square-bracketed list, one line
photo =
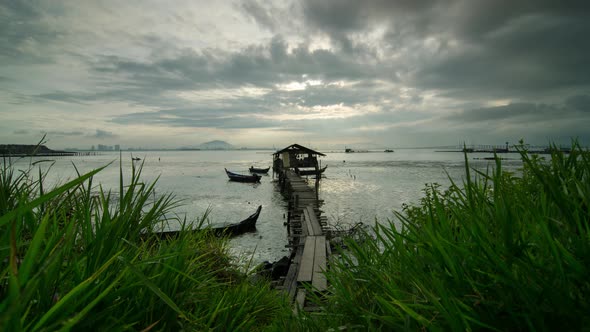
[(325, 74)]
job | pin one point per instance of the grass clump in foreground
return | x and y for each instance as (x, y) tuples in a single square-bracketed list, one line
[(71, 259), (499, 252)]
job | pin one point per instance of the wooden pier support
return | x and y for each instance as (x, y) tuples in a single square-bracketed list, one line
[(310, 248)]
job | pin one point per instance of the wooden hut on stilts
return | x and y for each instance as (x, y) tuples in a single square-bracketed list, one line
[(300, 159)]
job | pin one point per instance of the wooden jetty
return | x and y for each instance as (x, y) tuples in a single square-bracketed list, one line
[(310, 249)]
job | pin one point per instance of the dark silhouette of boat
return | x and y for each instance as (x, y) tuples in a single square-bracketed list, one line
[(241, 177), (244, 226), (136, 159), (310, 171), (388, 150), (259, 170)]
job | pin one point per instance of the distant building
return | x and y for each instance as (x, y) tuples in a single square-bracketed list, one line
[(117, 147)]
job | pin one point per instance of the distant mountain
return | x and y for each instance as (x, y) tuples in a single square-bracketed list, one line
[(216, 145)]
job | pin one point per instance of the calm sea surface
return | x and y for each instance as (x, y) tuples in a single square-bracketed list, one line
[(357, 186)]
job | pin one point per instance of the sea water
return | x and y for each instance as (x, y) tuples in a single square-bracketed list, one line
[(356, 187)]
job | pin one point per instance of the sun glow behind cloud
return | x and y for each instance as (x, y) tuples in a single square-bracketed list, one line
[(298, 86), (337, 111), (223, 94)]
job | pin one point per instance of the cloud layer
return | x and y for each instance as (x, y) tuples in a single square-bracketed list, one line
[(258, 73)]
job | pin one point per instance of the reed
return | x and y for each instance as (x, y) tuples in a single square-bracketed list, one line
[(78, 257), (497, 252)]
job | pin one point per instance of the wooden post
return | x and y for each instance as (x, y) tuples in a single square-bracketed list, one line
[(289, 206)]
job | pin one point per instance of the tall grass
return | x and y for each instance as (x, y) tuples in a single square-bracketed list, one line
[(498, 252), (74, 258)]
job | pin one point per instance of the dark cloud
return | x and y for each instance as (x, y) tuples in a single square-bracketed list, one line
[(511, 112), (335, 16), (55, 133), (497, 48), (535, 55), (462, 19), (476, 19), (24, 37), (67, 97), (21, 132), (246, 111), (262, 13), (539, 123), (579, 103), (103, 134), (260, 65), (227, 118), (150, 82)]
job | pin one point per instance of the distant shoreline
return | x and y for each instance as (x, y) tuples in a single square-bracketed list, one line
[(25, 150)]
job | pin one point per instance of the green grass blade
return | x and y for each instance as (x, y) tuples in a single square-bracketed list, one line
[(73, 294), (154, 288), (52, 194)]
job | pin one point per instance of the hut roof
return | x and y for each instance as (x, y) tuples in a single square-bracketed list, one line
[(299, 149)]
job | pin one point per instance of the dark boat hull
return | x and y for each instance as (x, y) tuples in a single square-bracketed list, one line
[(244, 226), (242, 178), (311, 172), (259, 170)]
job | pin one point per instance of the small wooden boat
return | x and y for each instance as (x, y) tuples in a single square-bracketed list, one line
[(241, 177), (244, 226), (310, 171), (259, 170)]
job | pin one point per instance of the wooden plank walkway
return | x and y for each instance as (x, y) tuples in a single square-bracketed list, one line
[(307, 240)]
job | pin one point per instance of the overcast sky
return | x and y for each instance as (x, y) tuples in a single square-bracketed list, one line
[(324, 73)]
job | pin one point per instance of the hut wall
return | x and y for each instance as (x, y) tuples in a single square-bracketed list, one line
[(286, 160)]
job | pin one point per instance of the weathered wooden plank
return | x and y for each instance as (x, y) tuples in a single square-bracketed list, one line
[(306, 201), (290, 282), (311, 224), (319, 264), (305, 194), (300, 300), (305, 227), (306, 265), (306, 223), (317, 229)]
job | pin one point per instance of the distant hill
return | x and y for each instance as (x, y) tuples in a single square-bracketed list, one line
[(211, 145), (216, 145)]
